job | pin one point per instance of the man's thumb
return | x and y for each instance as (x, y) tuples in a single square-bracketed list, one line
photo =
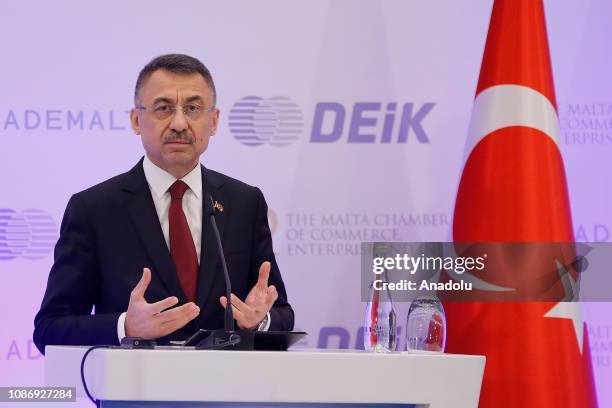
[(143, 284)]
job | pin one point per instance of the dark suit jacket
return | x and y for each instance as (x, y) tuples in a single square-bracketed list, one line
[(111, 231)]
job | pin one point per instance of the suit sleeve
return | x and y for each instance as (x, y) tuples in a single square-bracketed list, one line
[(281, 314), (72, 288)]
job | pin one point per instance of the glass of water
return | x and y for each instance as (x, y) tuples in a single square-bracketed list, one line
[(426, 326), (380, 323)]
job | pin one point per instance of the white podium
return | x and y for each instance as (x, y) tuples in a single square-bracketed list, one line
[(320, 378)]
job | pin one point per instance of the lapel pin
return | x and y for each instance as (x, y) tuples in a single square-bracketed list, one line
[(218, 206)]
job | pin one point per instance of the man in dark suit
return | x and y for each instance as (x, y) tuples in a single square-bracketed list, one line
[(139, 249)]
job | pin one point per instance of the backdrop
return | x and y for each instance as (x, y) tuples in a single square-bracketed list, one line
[(370, 104)]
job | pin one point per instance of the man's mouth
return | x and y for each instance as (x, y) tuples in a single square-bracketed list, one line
[(177, 141)]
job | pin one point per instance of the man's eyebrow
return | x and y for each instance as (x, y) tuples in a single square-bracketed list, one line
[(195, 98), (165, 99), (162, 99)]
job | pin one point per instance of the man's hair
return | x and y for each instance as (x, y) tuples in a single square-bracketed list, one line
[(176, 64)]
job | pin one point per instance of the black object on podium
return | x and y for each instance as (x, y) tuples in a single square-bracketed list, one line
[(243, 340)]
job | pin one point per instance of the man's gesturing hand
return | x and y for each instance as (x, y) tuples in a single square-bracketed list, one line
[(251, 312), (152, 320)]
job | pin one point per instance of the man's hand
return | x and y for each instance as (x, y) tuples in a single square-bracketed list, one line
[(152, 320), (251, 312)]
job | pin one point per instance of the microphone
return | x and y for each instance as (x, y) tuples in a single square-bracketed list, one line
[(226, 338), (229, 314)]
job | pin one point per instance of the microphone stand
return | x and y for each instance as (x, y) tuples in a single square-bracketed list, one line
[(226, 338)]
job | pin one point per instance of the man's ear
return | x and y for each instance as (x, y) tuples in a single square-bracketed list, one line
[(134, 121), (215, 122)]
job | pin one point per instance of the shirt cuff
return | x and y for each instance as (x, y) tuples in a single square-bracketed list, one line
[(121, 326), (265, 324)]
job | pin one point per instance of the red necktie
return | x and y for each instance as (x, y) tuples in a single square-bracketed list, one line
[(182, 249)]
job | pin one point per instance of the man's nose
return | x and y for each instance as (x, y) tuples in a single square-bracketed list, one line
[(179, 121)]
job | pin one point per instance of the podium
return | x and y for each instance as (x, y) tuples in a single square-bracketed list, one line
[(303, 378)]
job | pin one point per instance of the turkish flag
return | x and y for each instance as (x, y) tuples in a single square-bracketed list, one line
[(513, 189)]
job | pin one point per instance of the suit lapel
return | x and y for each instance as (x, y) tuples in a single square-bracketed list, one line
[(141, 208), (210, 272)]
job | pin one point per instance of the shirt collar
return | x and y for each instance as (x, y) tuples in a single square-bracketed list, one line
[(160, 180)]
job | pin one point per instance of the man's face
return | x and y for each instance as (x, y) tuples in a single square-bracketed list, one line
[(176, 142)]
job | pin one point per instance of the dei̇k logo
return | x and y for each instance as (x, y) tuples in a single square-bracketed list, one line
[(278, 121), (29, 234)]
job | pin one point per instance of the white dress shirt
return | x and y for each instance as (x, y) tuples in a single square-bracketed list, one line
[(159, 181)]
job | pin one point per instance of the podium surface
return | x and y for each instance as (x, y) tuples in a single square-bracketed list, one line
[(302, 378)]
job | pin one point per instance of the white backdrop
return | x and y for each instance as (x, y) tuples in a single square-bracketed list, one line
[(67, 78)]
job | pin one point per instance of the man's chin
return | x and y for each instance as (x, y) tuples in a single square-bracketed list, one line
[(178, 164), (178, 157), (178, 150)]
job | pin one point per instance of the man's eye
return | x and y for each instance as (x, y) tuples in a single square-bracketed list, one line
[(193, 108), (162, 108)]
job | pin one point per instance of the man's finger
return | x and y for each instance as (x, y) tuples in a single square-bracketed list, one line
[(163, 304), (223, 301), (143, 284), (175, 324), (239, 304), (238, 314), (264, 274), (179, 312), (271, 296)]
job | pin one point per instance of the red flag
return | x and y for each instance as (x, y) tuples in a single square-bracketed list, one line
[(513, 189)]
